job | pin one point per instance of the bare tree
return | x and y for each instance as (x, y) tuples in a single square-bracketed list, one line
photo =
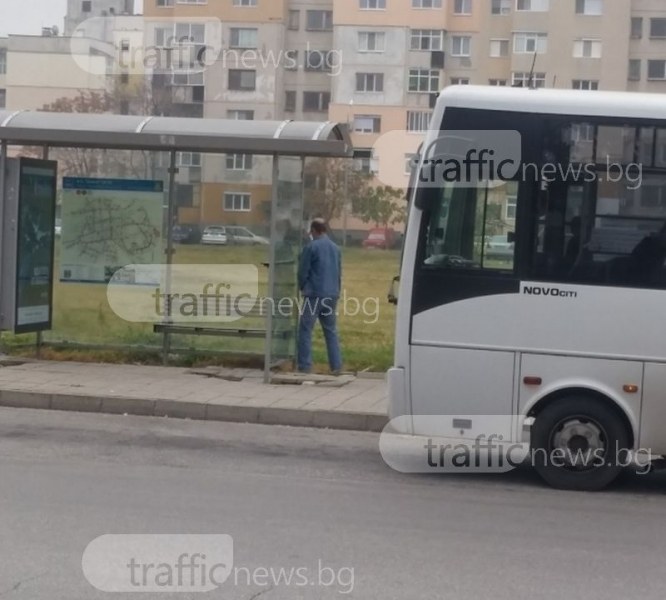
[(329, 184)]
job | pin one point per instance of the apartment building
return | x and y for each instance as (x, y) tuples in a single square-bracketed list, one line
[(399, 53), (377, 65), (647, 46), (264, 60), (39, 70), (79, 11)]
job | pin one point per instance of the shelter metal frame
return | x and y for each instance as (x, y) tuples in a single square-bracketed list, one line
[(172, 135)]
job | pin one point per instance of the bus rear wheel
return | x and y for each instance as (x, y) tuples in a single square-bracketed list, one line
[(579, 443)]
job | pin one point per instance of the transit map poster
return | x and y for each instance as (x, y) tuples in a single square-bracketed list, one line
[(108, 224)]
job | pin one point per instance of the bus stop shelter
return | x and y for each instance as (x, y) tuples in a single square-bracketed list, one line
[(291, 141)]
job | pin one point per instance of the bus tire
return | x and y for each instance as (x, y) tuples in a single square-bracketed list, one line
[(575, 442)]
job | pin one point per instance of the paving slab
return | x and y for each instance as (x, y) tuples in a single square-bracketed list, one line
[(214, 393)]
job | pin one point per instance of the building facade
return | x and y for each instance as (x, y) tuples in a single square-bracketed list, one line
[(377, 65)]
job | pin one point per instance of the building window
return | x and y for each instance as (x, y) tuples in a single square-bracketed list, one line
[(365, 161), (427, 39), (462, 7), (244, 37), (521, 79), (461, 45), (318, 60), (3, 98), (511, 206), (245, 3), (290, 101), (319, 20), (585, 84), (497, 82), (418, 120), (369, 82), (291, 60), (316, 101), (426, 3), (499, 48), (656, 69), (188, 159), (459, 80), (164, 3), (86, 6), (244, 80), (658, 28), (189, 33), (533, 5), (501, 7), (635, 69), (411, 162), (236, 202), (371, 41), (587, 49), (294, 22), (589, 7), (423, 80), (239, 162), (372, 4), (636, 28), (240, 115), (529, 43), (3, 61), (187, 78), (367, 123)]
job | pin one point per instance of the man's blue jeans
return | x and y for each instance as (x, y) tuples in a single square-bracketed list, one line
[(322, 309)]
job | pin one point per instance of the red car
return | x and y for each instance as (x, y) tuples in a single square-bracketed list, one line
[(383, 239)]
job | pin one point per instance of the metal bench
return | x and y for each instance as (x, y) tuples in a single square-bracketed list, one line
[(248, 308)]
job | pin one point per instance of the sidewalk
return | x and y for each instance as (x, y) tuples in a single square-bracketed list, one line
[(359, 404)]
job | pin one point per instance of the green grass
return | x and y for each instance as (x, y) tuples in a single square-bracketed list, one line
[(82, 315)]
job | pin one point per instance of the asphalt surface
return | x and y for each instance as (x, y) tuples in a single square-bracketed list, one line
[(301, 498)]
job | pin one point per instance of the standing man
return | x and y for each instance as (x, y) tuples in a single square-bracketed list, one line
[(319, 279)]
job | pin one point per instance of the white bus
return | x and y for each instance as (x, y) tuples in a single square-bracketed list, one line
[(540, 294)]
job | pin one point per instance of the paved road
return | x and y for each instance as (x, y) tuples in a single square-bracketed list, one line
[(294, 497)]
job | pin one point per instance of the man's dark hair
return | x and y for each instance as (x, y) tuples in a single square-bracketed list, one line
[(318, 226)]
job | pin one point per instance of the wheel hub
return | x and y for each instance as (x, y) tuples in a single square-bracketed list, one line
[(580, 441)]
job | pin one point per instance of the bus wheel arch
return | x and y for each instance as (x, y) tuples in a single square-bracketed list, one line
[(579, 439)]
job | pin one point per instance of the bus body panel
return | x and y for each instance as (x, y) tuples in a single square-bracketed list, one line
[(591, 321), (602, 376), (454, 389), (653, 417)]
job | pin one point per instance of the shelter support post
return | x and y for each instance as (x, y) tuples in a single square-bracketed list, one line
[(271, 268), (171, 212), (39, 339), (3, 167)]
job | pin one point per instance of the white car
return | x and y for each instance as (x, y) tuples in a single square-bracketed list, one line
[(243, 236), (499, 247), (215, 234)]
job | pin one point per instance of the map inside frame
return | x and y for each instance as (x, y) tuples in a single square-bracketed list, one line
[(108, 224)]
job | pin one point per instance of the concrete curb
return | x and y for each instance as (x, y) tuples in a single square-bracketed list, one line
[(198, 411)]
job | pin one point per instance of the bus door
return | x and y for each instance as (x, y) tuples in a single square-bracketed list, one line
[(463, 276)]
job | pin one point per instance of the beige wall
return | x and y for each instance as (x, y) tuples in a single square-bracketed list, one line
[(40, 71), (212, 205), (397, 14), (265, 11)]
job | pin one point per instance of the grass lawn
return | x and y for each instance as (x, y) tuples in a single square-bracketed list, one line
[(82, 315)]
